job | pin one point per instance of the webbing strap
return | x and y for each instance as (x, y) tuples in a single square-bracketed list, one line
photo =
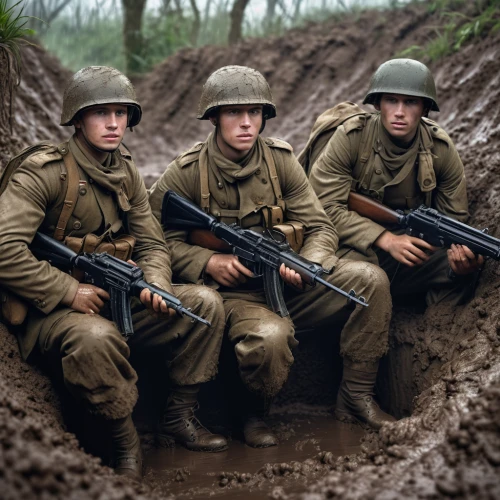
[(72, 178), (205, 190), (273, 174)]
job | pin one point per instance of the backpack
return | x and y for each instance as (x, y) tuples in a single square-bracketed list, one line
[(323, 129), (13, 309)]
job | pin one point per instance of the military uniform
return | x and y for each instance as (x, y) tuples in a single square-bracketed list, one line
[(87, 349), (243, 193), (360, 156)]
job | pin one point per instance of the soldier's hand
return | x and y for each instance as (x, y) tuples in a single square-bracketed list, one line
[(89, 299), (408, 250), (156, 305), (463, 261), (227, 270), (291, 277)]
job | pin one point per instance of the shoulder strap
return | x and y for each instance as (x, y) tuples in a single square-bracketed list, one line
[(273, 174), (17, 160), (72, 177), (205, 190)]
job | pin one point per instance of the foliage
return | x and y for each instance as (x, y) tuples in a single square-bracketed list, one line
[(97, 42), (12, 30), (459, 29), (84, 36)]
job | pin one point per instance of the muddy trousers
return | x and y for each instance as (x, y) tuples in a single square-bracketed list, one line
[(431, 278), (92, 357), (263, 341)]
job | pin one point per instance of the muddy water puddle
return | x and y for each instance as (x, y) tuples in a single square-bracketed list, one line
[(198, 475)]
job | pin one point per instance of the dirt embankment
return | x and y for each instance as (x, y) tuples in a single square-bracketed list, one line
[(447, 358)]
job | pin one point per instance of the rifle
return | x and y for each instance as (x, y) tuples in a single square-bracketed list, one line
[(263, 254), (120, 279), (428, 224)]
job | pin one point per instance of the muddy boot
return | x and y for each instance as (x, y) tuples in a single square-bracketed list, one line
[(126, 446), (179, 424), (255, 430), (355, 400)]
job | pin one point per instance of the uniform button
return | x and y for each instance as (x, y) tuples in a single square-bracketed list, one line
[(83, 191), (42, 304), (77, 224), (37, 301), (257, 172), (264, 181), (219, 185), (378, 171), (223, 203), (435, 129), (427, 182), (217, 214), (91, 181)]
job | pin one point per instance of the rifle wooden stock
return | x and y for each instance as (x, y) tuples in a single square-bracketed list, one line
[(371, 209), (206, 239)]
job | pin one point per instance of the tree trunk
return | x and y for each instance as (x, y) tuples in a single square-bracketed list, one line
[(237, 14), (270, 12), (133, 11), (195, 28), (296, 13)]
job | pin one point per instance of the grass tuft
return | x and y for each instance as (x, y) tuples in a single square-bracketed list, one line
[(12, 31), (460, 28)]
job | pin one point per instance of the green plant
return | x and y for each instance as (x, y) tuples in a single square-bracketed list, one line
[(459, 29), (12, 31)]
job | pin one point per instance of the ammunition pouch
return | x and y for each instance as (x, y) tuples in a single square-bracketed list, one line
[(120, 247), (272, 215), (293, 232)]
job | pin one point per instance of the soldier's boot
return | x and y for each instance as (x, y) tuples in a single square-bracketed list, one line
[(255, 430), (355, 400), (126, 448), (178, 423)]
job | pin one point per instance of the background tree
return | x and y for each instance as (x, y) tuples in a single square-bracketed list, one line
[(237, 13), (133, 11), (195, 29), (44, 12)]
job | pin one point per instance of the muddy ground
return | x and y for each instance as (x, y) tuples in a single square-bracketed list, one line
[(443, 367)]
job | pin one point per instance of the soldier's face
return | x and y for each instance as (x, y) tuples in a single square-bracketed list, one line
[(103, 125), (238, 129), (400, 115)]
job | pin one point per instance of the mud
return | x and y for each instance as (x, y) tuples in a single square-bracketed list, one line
[(239, 472), (443, 366)]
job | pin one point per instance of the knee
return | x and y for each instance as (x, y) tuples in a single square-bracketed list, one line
[(373, 278), (272, 336), (206, 302), (94, 334)]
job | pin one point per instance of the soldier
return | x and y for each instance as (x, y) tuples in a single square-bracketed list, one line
[(238, 176), (64, 325), (401, 158)]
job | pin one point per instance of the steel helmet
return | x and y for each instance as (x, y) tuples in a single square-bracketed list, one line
[(235, 85), (99, 85), (403, 76)]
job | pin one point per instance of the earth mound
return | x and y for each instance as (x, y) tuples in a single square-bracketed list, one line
[(444, 364)]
